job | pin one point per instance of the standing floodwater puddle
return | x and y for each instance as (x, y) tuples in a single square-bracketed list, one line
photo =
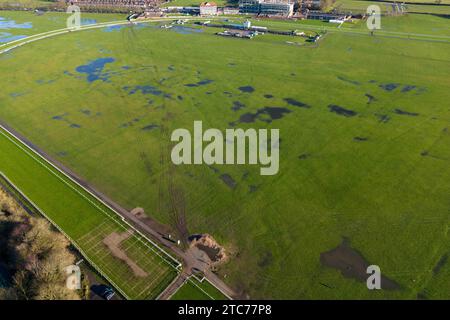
[(94, 69), (352, 264)]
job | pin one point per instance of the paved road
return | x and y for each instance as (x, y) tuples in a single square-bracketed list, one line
[(173, 287)]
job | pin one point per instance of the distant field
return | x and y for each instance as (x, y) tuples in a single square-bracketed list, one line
[(88, 223), (364, 143), (438, 2), (19, 24), (26, 3), (360, 6)]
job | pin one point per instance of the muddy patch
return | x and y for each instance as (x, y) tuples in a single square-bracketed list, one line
[(213, 253), (199, 83), (370, 98), (354, 82), (265, 260), (147, 164), (228, 180), (442, 261), (266, 114), (150, 127), (237, 105), (406, 113), (247, 89), (140, 214), (147, 89), (408, 88), (342, 111), (389, 86), (422, 296), (59, 117), (210, 246), (352, 264), (129, 123), (383, 118), (17, 94), (296, 103), (44, 81), (113, 242), (214, 169), (304, 156)]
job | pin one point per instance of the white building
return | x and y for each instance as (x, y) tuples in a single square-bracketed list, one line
[(208, 9), (267, 7)]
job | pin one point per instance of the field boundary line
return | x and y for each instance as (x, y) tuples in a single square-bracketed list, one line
[(202, 289), (220, 290), (72, 241), (89, 192), (205, 278), (188, 279), (172, 282)]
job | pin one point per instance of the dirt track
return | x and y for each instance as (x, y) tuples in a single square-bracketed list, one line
[(113, 243)]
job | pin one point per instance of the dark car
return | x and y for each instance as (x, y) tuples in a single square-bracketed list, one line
[(103, 291)]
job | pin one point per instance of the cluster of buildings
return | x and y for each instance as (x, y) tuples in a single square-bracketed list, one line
[(134, 4), (208, 8), (283, 8), (267, 7), (256, 7), (205, 9)]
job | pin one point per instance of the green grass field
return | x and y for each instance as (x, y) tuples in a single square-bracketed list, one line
[(87, 222), (193, 289), (21, 23), (380, 178)]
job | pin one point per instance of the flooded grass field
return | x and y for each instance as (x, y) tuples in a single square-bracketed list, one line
[(364, 151)]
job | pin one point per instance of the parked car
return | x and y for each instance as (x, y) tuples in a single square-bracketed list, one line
[(103, 291)]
